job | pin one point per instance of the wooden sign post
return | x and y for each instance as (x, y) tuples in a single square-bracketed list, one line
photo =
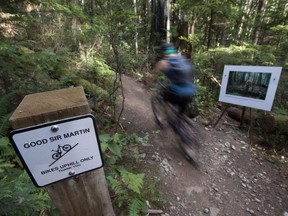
[(84, 194)]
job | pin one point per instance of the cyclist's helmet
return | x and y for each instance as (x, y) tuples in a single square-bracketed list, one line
[(168, 48)]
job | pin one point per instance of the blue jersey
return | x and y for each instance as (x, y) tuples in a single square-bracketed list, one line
[(180, 73), (188, 89)]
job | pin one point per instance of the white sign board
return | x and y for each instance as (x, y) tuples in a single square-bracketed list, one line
[(58, 150), (250, 86)]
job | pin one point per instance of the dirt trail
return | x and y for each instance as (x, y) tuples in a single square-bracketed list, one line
[(233, 180)]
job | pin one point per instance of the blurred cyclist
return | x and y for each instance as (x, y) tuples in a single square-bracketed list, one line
[(180, 74)]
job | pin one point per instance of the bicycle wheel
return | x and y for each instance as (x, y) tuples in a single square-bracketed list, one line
[(158, 109), (190, 139), (66, 147), (189, 132), (56, 156), (191, 153)]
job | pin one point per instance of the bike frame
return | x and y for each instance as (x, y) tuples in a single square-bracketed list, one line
[(179, 122)]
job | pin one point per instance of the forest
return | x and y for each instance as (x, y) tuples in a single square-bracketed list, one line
[(53, 44)]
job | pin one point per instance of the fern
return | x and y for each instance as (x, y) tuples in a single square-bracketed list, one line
[(115, 185), (133, 181), (4, 165), (137, 206), (126, 185), (6, 152), (5, 113), (18, 196), (4, 125)]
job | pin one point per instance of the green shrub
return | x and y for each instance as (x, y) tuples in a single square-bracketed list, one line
[(18, 196), (126, 185)]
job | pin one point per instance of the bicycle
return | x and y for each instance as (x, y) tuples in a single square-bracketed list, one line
[(167, 114), (58, 153)]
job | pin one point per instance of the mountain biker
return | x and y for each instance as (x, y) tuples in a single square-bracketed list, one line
[(179, 72)]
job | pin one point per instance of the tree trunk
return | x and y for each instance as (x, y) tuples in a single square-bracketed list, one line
[(210, 36), (168, 33), (136, 33), (158, 28), (258, 21)]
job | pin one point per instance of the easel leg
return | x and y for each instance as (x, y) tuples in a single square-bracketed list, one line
[(251, 128), (220, 116), (242, 117)]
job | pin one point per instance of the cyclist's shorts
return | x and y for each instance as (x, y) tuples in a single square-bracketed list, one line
[(181, 101)]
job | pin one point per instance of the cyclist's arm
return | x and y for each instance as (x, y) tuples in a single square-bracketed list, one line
[(161, 66)]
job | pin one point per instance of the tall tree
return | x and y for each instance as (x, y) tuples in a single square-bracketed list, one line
[(258, 23), (158, 21), (136, 33), (168, 27)]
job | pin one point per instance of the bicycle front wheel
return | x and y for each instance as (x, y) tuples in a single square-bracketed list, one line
[(190, 139), (158, 108), (189, 132), (67, 147)]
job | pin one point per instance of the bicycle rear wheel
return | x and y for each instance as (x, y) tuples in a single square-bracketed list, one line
[(158, 108)]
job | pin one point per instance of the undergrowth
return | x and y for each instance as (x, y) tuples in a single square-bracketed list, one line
[(130, 189)]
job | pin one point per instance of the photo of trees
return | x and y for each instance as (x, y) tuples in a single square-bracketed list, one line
[(248, 84)]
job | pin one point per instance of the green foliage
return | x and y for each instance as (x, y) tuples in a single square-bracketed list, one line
[(193, 40), (136, 207), (126, 185), (22, 71), (18, 196), (113, 146), (5, 113), (4, 165), (98, 74), (241, 55), (25, 71), (6, 151), (202, 103), (133, 181)]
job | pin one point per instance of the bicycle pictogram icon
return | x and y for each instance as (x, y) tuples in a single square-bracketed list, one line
[(61, 149)]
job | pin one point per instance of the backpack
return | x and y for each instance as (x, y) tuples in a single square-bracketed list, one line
[(181, 70)]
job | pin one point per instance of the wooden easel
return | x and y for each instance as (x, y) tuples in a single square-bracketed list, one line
[(250, 130)]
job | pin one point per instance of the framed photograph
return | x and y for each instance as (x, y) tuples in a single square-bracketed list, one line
[(250, 86)]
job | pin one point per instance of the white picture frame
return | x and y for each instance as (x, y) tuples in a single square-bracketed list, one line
[(250, 86)]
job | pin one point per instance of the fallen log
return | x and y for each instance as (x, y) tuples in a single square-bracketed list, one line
[(269, 123), (236, 113)]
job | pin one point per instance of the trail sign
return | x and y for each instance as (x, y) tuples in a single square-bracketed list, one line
[(58, 150)]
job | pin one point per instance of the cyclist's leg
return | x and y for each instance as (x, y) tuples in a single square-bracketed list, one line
[(170, 99), (183, 102), (168, 96), (172, 109)]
